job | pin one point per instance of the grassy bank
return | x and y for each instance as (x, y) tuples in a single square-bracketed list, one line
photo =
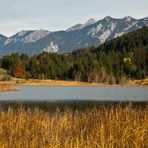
[(142, 82), (10, 85), (48, 82), (116, 126), (7, 87)]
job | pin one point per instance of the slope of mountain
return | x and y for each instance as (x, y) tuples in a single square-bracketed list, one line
[(2, 39), (136, 40), (91, 33)]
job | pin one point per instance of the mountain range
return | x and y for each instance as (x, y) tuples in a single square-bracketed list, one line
[(91, 33)]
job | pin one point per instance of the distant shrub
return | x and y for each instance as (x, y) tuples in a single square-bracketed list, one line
[(5, 77), (27, 75)]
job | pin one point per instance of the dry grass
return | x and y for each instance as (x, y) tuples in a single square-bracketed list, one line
[(7, 87), (70, 83), (36, 82), (96, 128), (142, 82)]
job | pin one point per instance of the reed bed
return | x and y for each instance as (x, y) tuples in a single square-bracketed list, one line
[(115, 127), (7, 87)]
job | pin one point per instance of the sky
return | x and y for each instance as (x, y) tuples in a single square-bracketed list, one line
[(54, 15)]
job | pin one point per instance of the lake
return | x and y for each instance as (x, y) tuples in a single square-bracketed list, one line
[(76, 93)]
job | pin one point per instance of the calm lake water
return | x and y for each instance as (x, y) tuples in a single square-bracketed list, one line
[(67, 93)]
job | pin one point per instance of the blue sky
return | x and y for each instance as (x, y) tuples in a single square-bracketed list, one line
[(17, 15)]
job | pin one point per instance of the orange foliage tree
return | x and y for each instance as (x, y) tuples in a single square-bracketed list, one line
[(20, 70)]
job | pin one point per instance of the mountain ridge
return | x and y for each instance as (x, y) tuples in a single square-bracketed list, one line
[(91, 33)]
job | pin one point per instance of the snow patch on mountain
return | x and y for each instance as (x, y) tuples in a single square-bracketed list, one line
[(118, 34), (95, 30), (52, 48), (112, 26), (86, 45), (130, 26), (103, 37), (8, 41)]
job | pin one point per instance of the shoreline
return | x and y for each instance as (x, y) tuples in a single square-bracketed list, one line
[(76, 83), (11, 85), (36, 82)]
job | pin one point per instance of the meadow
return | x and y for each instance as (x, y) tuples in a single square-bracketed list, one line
[(106, 127)]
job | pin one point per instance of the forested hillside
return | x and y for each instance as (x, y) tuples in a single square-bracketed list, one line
[(115, 61)]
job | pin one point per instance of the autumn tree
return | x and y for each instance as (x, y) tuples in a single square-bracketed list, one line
[(20, 70)]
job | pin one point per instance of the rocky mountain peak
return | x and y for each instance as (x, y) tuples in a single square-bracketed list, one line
[(22, 33), (90, 21), (108, 18), (80, 26), (128, 19), (75, 27)]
